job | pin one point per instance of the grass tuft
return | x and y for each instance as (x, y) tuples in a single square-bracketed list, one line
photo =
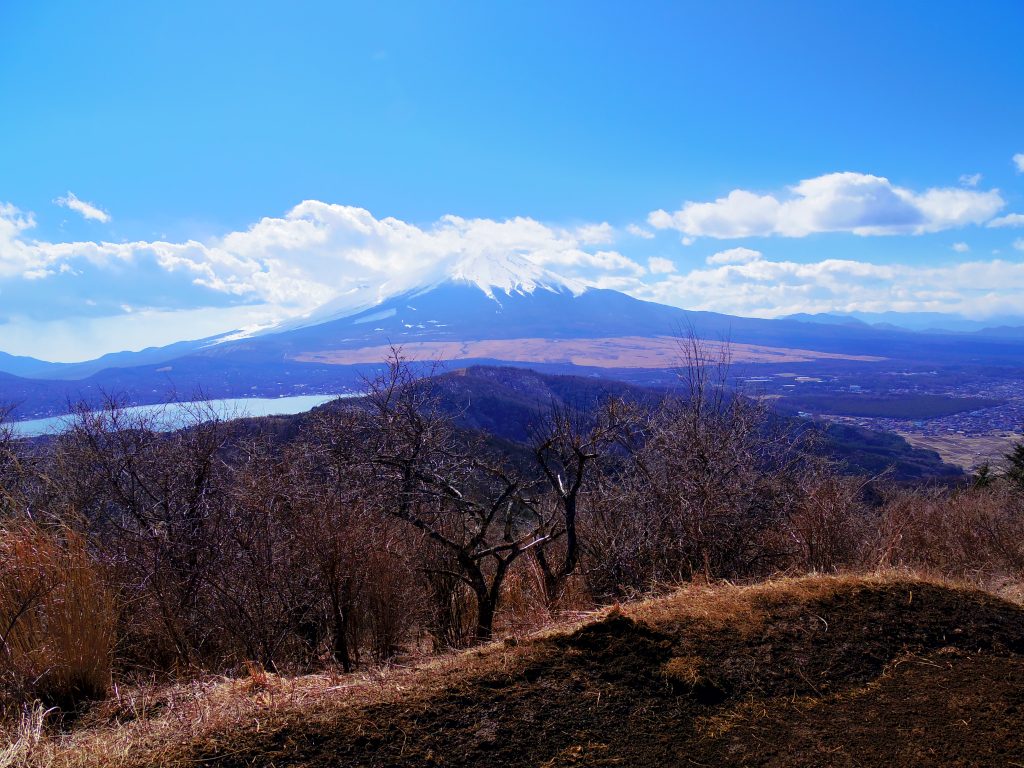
[(57, 620)]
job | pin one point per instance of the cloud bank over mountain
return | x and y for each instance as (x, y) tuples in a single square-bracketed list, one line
[(319, 253), (318, 250)]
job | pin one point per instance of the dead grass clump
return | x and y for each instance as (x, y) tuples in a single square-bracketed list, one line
[(744, 608), (682, 670), (976, 534), (23, 744), (56, 619)]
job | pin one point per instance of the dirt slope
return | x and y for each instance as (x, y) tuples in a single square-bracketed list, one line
[(813, 672)]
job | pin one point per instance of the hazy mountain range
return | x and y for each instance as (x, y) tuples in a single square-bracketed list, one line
[(936, 322)]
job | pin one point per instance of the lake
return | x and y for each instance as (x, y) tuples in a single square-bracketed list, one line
[(173, 415)]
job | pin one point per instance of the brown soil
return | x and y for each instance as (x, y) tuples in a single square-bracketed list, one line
[(813, 672)]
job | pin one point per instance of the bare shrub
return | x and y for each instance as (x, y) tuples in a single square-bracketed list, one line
[(449, 609), (22, 473), (625, 541), (360, 560), (11, 472), (248, 587), (827, 524), (57, 620), (706, 491), (388, 606), (970, 533)]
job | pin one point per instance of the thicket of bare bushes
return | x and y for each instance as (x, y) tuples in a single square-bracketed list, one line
[(383, 529)]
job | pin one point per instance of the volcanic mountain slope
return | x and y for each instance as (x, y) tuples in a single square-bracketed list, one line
[(459, 311), (507, 297), (818, 671)]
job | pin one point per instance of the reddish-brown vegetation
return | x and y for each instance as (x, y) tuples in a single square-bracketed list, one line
[(815, 671), (381, 533)]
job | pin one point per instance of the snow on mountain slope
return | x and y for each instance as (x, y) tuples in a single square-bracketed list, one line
[(509, 274), (495, 275)]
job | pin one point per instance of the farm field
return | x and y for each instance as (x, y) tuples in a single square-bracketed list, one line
[(967, 451)]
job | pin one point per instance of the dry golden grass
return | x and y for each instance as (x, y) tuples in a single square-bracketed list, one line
[(24, 742), (615, 352), (145, 725), (56, 618), (745, 605), (967, 451)]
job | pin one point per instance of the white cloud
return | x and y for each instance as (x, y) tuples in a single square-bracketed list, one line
[(1018, 160), (961, 247), (837, 202), (87, 210), (970, 179), (638, 231), (660, 266), (319, 251), (33, 259), (735, 256), (1019, 243), (595, 234), (1009, 220), (768, 288)]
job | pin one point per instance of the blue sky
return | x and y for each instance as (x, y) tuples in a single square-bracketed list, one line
[(755, 158)]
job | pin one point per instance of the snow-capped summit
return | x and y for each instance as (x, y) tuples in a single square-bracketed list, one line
[(509, 273), (495, 275)]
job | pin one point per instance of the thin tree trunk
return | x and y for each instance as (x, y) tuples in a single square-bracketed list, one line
[(339, 609), (485, 608)]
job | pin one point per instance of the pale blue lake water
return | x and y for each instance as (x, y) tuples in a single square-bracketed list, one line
[(172, 415)]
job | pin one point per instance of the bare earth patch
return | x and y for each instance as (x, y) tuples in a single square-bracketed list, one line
[(619, 352), (967, 451)]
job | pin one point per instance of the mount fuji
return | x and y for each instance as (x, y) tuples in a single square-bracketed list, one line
[(484, 309)]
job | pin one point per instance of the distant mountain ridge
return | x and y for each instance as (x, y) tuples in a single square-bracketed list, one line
[(925, 322), (507, 403), (33, 368)]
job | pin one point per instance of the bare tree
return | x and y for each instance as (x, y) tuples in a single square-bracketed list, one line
[(713, 477), (359, 584), (569, 445), (450, 486)]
